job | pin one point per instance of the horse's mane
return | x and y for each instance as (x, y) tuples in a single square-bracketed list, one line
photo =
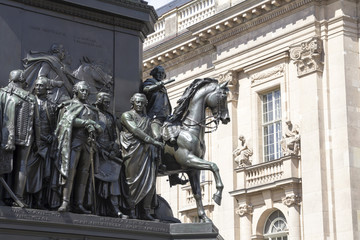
[(183, 103)]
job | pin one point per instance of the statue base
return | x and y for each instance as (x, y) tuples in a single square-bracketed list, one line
[(33, 224)]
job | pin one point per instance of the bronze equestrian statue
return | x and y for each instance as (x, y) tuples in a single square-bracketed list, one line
[(188, 123)]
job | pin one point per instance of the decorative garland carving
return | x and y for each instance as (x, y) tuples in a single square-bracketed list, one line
[(244, 209), (307, 56), (274, 72), (291, 199)]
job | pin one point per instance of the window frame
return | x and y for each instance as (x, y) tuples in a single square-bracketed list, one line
[(274, 235)]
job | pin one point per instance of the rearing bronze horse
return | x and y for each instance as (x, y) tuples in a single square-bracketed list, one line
[(188, 152)]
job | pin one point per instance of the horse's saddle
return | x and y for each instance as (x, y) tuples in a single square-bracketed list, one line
[(170, 131)]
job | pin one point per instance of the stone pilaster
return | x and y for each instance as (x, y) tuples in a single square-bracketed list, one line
[(245, 212), (292, 201)]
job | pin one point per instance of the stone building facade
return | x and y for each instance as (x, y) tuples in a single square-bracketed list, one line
[(293, 67)]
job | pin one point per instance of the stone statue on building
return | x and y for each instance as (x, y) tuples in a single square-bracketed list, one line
[(40, 162), (243, 153), (159, 108), (290, 143), (51, 65), (108, 173), (17, 116), (76, 131), (140, 155)]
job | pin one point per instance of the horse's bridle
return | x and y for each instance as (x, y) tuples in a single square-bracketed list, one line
[(203, 124), (216, 120)]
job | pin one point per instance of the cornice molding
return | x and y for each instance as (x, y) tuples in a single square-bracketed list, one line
[(184, 57), (262, 17), (228, 27)]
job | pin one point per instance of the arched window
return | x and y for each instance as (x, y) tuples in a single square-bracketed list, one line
[(276, 227)]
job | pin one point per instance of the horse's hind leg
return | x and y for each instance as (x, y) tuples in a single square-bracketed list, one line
[(194, 177)]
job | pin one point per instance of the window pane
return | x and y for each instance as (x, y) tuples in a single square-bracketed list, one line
[(272, 125)]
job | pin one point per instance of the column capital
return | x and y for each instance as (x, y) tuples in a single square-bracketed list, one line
[(307, 56), (233, 84), (244, 209), (291, 199)]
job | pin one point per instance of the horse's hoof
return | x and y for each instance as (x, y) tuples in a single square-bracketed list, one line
[(217, 199), (205, 219)]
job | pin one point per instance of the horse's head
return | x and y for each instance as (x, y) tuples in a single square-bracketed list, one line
[(217, 102), (94, 74)]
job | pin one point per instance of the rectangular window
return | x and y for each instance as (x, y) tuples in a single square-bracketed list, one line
[(271, 113)]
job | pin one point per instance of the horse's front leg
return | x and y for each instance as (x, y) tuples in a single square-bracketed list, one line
[(219, 185), (193, 162), (201, 164), (194, 177)]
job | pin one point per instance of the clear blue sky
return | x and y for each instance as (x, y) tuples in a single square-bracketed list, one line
[(158, 3)]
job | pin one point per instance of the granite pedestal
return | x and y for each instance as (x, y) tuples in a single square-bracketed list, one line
[(33, 224)]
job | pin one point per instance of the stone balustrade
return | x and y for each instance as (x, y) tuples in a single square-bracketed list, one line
[(269, 173), (186, 15), (266, 173), (195, 12), (190, 203), (158, 35)]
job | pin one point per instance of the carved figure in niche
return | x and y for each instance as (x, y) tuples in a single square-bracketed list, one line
[(243, 153), (290, 144), (51, 65), (41, 158), (159, 108), (108, 174), (76, 131), (139, 151), (94, 74), (17, 106)]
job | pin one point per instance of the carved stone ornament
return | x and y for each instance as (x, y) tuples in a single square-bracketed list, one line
[(233, 84), (244, 209), (290, 142), (243, 153), (307, 56), (267, 74), (291, 199)]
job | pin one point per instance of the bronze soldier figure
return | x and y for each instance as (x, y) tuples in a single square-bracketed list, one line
[(139, 154), (17, 107), (108, 174), (75, 132)]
